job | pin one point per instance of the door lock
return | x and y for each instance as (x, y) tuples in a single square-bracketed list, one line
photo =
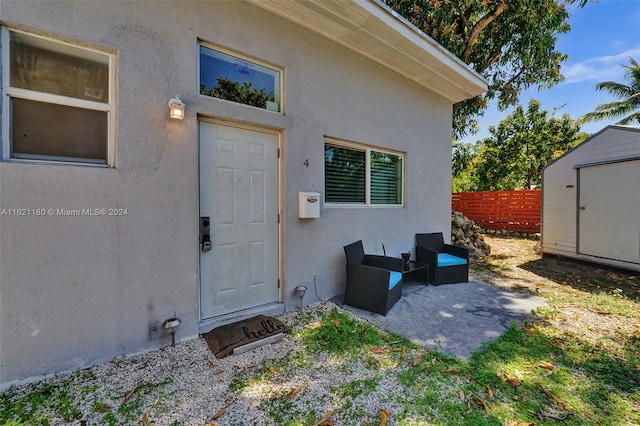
[(205, 233)]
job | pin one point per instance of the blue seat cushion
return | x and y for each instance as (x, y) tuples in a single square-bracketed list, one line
[(394, 278), (446, 259)]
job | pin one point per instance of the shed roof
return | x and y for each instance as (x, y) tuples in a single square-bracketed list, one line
[(595, 137), (374, 30)]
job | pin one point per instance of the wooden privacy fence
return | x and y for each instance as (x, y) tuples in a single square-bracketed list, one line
[(517, 211)]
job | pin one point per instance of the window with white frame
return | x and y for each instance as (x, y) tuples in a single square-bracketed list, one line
[(361, 175), (234, 78), (59, 100)]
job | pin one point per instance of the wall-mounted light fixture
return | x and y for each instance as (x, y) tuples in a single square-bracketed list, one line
[(176, 108)]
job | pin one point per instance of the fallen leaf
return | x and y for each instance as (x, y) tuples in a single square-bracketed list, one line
[(403, 353), (416, 361), (489, 391), (378, 350), (326, 420), (144, 418), (513, 382), (384, 416), (525, 398), (395, 365), (481, 402), (129, 395), (452, 371), (547, 365), (143, 366), (461, 394), (212, 424), (219, 414), (293, 392), (336, 323), (549, 394), (103, 408)]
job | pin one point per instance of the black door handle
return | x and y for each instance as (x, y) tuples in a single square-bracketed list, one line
[(205, 243)]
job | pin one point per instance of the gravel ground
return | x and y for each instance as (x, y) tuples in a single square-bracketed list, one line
[(187, 385)]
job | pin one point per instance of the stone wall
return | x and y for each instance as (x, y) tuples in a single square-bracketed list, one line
[(465, 233)]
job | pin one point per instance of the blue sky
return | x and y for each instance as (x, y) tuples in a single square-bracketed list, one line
[(603, 35)]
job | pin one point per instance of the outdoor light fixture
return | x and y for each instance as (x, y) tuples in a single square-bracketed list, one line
[(170, 325), (176, 108), (301, 290)]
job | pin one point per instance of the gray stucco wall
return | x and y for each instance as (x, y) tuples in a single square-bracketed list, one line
[(80, 290)]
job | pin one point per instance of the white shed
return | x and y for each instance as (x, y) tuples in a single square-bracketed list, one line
[(591, 200)]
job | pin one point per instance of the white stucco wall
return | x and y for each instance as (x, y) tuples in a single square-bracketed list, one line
[(80, 290)]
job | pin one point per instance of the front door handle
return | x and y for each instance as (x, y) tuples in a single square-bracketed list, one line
[(205, 243), (205, 233)]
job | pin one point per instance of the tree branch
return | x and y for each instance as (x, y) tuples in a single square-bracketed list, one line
[(477, 29)]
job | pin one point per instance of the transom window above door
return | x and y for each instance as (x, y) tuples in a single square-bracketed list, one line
[(357, 175), (229, 76), (60, 101)]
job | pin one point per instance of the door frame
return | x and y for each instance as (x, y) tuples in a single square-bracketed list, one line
[(278, 307)]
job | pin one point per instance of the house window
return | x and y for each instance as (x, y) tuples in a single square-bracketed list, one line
[(227, 76), (359, 175), (59, 100)]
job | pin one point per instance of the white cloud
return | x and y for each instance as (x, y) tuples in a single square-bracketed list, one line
[(603, 68)]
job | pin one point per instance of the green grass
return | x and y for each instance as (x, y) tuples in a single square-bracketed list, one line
[(554, 370)]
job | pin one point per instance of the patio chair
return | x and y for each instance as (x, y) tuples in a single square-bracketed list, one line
[(447, 263), (374, 283)]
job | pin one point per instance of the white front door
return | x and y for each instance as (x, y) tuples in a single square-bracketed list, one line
[(610, 211), (239, 193)]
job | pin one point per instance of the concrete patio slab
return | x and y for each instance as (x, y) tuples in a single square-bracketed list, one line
[(454, 318)]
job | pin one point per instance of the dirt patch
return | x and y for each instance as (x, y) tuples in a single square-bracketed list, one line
[(517, 260), (578, 293)]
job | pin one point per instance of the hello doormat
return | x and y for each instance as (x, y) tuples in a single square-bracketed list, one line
[(223, 340)]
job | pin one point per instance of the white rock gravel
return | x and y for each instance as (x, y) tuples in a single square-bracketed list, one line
[(187, 385)]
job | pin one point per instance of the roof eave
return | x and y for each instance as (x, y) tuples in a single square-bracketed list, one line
[(375, 31)]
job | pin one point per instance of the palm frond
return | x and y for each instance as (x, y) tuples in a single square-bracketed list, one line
[(629, 95)]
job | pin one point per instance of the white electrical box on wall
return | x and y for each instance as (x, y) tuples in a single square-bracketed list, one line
[(308, 205)]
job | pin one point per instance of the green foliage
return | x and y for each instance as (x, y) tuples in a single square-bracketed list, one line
[(629, 105), (30, 407), (341, 333), (463, 178), (511, 44), (244, 93), (519, 147)]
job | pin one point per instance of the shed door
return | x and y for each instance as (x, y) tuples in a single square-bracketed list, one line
[(239, 192), (609, 215)]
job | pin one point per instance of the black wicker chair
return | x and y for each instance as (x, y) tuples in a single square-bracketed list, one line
[(374, 283), (447, 263)]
